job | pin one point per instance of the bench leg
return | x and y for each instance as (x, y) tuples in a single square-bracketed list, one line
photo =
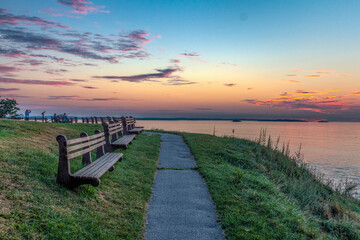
[(77, 182), (111, 169)]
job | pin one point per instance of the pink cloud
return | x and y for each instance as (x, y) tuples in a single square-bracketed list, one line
[(229, 84), (157, 36), (10, 19), (8, 89), (320, 104), (82, 6), (6, 69)]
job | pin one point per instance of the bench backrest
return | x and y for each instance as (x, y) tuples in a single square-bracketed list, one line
[(69, 149), (128, 123), (113, 130)]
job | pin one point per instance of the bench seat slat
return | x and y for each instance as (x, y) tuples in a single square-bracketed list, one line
[(124, 141), (77, 140), (97, 168), (135, 130)]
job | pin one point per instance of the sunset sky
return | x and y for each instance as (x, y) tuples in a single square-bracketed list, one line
[(204, 58)]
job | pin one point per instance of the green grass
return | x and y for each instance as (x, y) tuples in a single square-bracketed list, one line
[(33, 206), (262, 194)]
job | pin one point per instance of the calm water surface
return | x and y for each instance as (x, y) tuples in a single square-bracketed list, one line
[(333, 147)]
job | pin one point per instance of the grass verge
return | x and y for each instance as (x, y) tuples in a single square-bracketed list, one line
[(260, 193), (33, 206)]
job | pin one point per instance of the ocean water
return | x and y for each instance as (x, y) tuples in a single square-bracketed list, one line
[(332, 147)]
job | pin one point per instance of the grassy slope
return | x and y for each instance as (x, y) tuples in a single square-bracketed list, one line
[(261, 194), (33, 206)]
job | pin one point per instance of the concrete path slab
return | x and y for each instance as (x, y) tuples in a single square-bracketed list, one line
[(180, 205)]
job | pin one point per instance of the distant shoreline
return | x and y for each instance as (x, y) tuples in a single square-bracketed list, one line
[(222, 119)]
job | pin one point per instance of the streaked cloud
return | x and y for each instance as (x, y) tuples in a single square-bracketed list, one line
[(291, 81), (203, 109), (230, 84), (228, 64), (307, 100), (178, 81), (7, 18), (8, 69), (150, 77), (9, 89), (78, 98), (35, 82), (90, 87), (193, 56)]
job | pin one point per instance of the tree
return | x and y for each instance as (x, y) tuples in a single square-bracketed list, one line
[(8, 107)]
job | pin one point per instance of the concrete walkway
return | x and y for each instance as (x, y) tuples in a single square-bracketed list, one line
[(180, 205)]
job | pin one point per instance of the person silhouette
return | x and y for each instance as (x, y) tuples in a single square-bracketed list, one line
[(27, 114)]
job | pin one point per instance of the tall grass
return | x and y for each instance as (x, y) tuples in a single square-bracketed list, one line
[(325, 199), (343, 187)]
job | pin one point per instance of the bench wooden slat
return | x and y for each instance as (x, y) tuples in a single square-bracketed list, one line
[(115, 127), (76, 154), (77, 140), (113, 124), (125, 140), (97, 168), (86, 144)]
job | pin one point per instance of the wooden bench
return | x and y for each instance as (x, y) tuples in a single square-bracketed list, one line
[(115, 131), (129, 126), (90, 174)]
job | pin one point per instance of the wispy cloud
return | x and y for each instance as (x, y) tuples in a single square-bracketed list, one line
[(193, 56), (84, 45), (203, 109), (36, 82), (82, 6), (8, 69), (14, 53), (230, 84), (78, 80), (150, 77), (291, 81), (317, 73), (228, 64), (307, 100), (9, 89), (178, 82), (78, 98), (7, 18), (89, 87)]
